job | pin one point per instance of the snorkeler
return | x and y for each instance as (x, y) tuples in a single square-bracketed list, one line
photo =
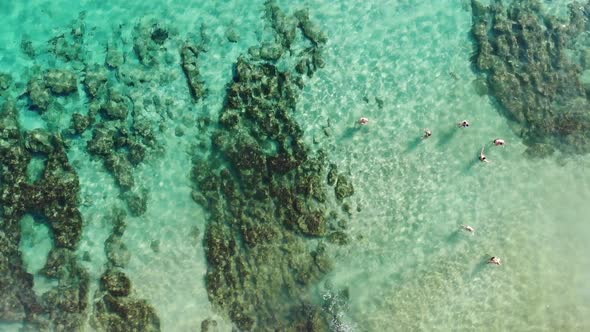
[(482, 156), (468, 228), (363, 121), (463, 124), (427, 133), (499, 142), (495, 260)]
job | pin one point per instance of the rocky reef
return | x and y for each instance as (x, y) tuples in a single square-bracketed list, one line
[(52, 199), (113, 125), (267, 192), (115, 307), (275, 205), (123, 115), (534, 64), (121, 135)]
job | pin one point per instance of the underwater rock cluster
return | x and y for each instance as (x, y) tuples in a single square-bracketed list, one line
[(115, 307), (266, 192), (41, 88), (114, 126), (52, 199), (188, 56), (122, 131), (275, 205), (525, 55)]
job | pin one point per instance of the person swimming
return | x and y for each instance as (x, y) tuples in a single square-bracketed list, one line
[(499, 142), (482, 156), (363, 121), (468, 228), (427, 133), (495, 260), (463, 124)]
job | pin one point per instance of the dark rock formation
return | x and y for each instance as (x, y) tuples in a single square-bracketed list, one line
[(68, 45), (80, 123), (41, 88), (524, 54), (267, 196), (53, 198), (208, 325), (343, 187), (115, 308), (95, 80), (5, 82), (189, 56), (116, 283), (149, 41), (26, 46)]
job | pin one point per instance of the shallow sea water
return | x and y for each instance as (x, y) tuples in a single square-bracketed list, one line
[(409, 267)]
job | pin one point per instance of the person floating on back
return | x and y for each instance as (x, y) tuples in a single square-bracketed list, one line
[(499, 142), (463, 124), (468, 228), (495, 260), (363, 121), (427, 133)]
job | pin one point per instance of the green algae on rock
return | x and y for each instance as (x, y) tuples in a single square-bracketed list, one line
[(524, 54)]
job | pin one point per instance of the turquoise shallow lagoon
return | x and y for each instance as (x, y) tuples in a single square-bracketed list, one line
[(408, 265)]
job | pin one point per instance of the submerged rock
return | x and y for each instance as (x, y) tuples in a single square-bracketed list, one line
[(5, 81), (53, 198), (189, 55), (148, 41), (68, 44), (343, 187), (231, 35), (523, 53), (95, 80), (309, 28), (26, 46), (53, 81), (266, 192), (116, 283), (39, 141), (80, 123), (209, 325), (61, 81)]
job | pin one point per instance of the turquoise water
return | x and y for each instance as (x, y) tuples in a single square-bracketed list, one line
[(408, 265)]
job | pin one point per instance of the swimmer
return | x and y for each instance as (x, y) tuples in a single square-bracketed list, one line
[(482, 157), (495, 260), (463, 124), (468, 228), (499, 142), (427, 133), (363, 121)]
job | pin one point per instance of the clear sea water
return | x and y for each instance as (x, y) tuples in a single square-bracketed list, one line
[(409, 266)]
